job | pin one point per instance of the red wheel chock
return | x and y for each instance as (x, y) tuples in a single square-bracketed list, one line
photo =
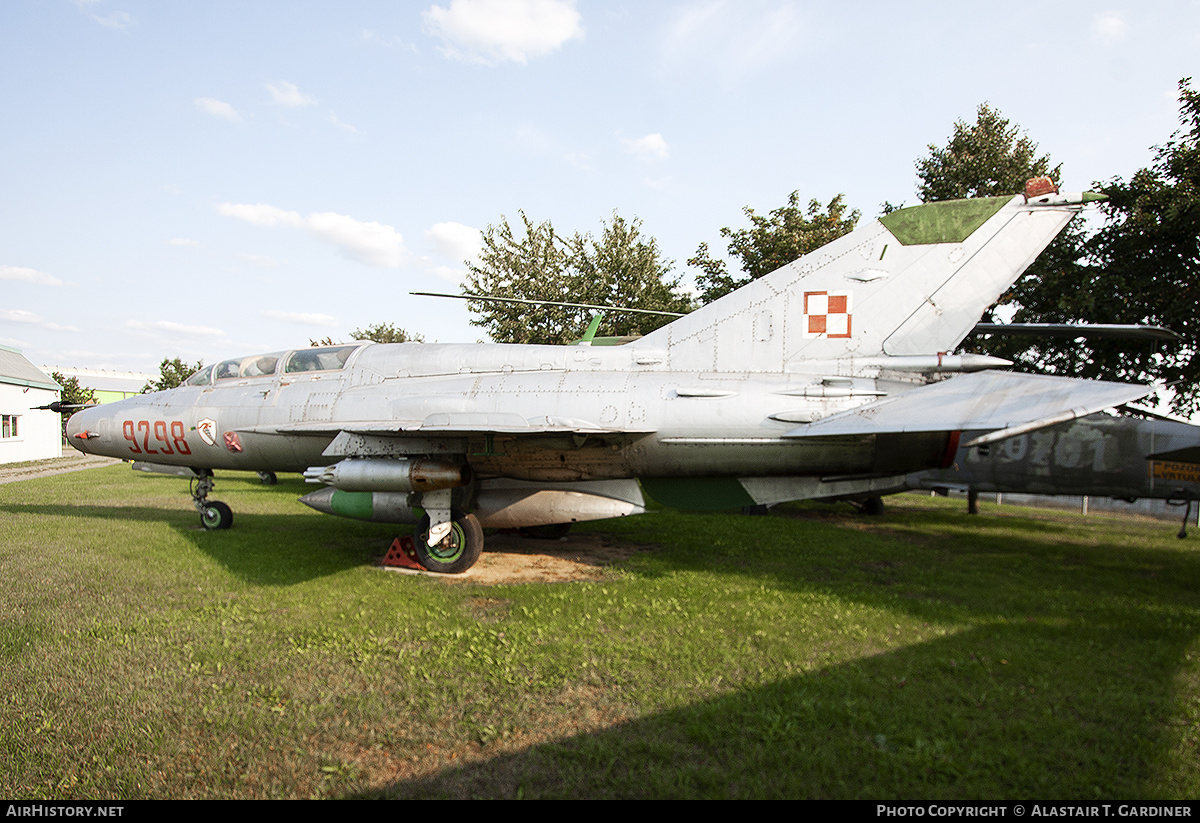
[(403, 554)]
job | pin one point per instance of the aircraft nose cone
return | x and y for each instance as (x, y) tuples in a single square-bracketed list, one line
[(83, 429)]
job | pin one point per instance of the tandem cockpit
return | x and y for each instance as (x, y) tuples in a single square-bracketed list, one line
[(300, 361), (209, 427)]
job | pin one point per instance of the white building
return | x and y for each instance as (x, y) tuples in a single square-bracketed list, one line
[(26, 433), (106, 385)]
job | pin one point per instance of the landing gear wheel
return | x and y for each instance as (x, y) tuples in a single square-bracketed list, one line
[(216, 515), (268, 478), (873, 506), (457, 552)]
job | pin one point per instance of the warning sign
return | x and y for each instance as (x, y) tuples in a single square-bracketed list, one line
[(1166, 470)]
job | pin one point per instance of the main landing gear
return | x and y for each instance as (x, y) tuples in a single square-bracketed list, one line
[(213, 513), (1187, 515), (458, 549), (447, 540), (872, 506)]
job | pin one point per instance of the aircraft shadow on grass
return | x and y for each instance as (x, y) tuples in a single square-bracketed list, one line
[(1018, 703), (273, 549), (981, 736)]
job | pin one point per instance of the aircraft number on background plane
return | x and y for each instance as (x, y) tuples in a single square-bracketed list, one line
[(162, 438), (1068, 450)]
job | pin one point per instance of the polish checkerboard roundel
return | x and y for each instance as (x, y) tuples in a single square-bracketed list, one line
[(827, 314)]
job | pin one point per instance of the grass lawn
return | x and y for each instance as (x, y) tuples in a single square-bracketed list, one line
[(924, 654)]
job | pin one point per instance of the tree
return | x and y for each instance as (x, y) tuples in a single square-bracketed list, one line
[(620, 268), (386, 333), (772, 241), (992, 157), (380, 333), (1147, 259), (172, 373), (1142, 266), (71, 394), (987, 158)]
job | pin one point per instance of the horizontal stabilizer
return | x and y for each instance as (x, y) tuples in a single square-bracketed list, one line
[(1188, 454), (1112, 331), (1013, 403)]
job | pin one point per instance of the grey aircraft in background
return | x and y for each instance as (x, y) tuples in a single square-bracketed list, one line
[(1100, 455), (827, 377)]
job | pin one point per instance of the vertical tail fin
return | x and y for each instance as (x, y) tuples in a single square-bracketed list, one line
[(913, 282)]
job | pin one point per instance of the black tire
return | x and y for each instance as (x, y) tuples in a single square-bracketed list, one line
[(216, 515), (457, 552), (268, 478), (873, 506)]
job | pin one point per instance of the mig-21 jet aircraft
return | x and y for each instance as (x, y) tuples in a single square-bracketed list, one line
[(824, 378)]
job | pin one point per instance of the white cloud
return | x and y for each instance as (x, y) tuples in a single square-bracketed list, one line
[(1109, 27), (691, 23), (31, 319), (374, 244), (261, 260), (183, 241), (174, 329), (287, 94), (650, 147), (260, 214), (114, 19), (217, 108), (494, 31), (28, 276), (345, 126), (368, 36), (733, 40), (580, 160), (300, 318), (455, 241), (447, 273)]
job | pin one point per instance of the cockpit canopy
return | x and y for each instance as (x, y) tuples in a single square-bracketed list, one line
[(326, 358), (323, 358)]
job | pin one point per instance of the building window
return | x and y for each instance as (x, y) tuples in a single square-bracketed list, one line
[(8, 425)]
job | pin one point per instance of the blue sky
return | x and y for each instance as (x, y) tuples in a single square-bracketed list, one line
[(211, 179)]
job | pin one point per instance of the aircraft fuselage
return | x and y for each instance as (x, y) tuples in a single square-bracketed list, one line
[(548, 413)]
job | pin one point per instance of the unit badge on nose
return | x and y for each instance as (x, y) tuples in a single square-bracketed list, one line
[(827, 314), (207, 429)]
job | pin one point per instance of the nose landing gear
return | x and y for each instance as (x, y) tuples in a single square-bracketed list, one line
[(213, 513)]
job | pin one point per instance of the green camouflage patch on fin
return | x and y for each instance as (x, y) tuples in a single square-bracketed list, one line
[(950, 221)]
